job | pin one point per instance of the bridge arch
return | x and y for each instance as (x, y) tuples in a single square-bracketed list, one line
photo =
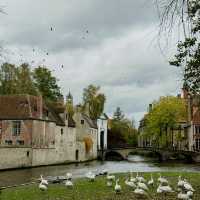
[(113, 155)]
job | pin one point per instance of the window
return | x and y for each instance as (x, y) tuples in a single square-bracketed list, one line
[(61, 131), (82, 121), (27, 153), (20, 142), (16, 128), (197, 129), (8, 142)]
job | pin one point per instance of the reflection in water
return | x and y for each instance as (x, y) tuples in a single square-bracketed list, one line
[(135, 163)]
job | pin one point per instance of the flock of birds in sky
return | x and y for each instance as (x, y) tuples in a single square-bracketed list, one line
[(141, 187)]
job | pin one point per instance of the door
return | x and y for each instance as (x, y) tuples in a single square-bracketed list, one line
[(102, 140)]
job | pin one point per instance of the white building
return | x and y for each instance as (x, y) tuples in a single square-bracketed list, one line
[(102, 124)]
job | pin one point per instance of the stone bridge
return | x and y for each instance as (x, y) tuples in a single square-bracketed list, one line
[(162, 154)]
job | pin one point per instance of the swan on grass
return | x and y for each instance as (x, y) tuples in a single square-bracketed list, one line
[(130, 183), (68, 183), (68, 176), (42, 187), (163, 180), (117, 187), (142, 186), (151, 181), (140, 178), (43, 181)]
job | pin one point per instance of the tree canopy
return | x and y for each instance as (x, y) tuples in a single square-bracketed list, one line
[(22, 80), (93, 100), (167, 112)]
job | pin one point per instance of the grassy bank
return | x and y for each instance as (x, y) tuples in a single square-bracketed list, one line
[(84, 190)]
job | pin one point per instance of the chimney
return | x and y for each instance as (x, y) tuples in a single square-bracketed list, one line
[(150, 107)]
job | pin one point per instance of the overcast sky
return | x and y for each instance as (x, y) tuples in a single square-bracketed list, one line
[(111, 43)]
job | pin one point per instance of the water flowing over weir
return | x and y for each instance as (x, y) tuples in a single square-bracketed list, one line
[(135, 163)]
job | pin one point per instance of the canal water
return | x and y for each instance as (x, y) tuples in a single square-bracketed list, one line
[(134, 163)]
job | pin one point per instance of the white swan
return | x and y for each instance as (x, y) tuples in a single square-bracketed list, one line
[(43, 181), (188, 186), (151, 181), (162, 180), (142, 185), (139, 191), (130, 183), (110, 177), (132, 179), (42, 187), (180, 182), (140, 178), (109, 183), (183, 196), (68, 183), (164, 189), (68, 176), (117, 187), (90, 176)]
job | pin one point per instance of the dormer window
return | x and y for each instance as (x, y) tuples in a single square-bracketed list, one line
[(82, 121)]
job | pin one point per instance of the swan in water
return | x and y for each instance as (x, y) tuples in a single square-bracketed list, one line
[(42, 187), (43, 181), (117, 187), (151, 181), (130, 183), (68, 183), (162, 180), (68, 176)]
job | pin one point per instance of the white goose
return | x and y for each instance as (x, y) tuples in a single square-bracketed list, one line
[(140, 178), (68, 176), (68, 183), (142, 185), (151, 181), (42, 187), (162, 180), (43, 181), (117, 187), (130, 183)]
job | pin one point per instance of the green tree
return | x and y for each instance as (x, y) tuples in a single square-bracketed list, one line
[(165, 115), (25, 83), (95, 100), (8, 79), (187, 14), (46, 84)]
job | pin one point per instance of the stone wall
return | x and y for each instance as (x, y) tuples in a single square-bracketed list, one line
[(15, 157)]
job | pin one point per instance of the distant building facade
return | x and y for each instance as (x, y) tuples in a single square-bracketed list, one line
[(34, 132)]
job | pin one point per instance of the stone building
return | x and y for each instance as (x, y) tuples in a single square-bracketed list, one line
[(34, 133)]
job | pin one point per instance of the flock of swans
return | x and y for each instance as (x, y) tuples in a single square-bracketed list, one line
[(141, 187)]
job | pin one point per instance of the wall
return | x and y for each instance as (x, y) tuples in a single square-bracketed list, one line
[(15, 157)]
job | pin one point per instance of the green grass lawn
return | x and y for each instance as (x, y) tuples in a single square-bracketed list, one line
[(98, 190)]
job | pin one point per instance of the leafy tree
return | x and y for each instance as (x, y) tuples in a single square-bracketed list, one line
[(46, 84), (24, 82), (165, 115), (187, 14), (8, 79), (95, 100)]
